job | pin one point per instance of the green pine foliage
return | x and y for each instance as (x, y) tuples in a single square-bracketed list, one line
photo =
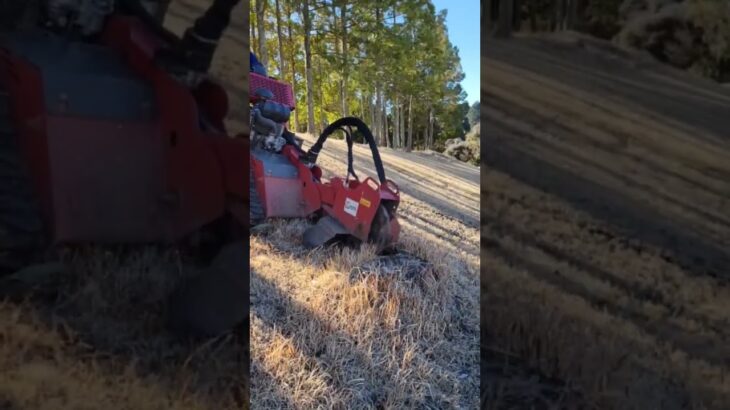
[(389, 62)]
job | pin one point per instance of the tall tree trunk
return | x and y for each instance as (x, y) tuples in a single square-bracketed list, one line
[(487, 7), (371, 106), (410, 123), (532, 13), (560, 11), (260, 15), (254, 42), (322, 113), (363, 108), (572, 13), (425, 133), (430, 128), (345, 59), (399, 122), (402, 125), (280, 39), (293, 60), (308, 66), (517, 15), (378, 114), (379, 106), (504, 26), (554, 15), (385, 121), (396, 124)]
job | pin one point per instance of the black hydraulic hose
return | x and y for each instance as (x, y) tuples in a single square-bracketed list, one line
[(290, 139), (350, 167), (135, 8), (364, 130)]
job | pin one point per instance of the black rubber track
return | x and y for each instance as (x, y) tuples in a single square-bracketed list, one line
[(21, 228), (256, 208)]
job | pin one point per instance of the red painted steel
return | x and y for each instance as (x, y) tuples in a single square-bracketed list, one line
[(283, 93), (107, 181), (352, 203)]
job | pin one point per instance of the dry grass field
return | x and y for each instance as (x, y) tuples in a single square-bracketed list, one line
[(95, 338), (326, 336), (606, 223)]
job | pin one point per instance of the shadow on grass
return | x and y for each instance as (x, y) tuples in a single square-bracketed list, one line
[(323, 343), (694, 254), (589, 71), (113, 302), (280, 313)]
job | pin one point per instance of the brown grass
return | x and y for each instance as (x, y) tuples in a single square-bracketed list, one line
[(97, 340)]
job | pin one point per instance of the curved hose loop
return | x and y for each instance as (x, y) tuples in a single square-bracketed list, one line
[(350, 167), (364, 130), (136, 8)]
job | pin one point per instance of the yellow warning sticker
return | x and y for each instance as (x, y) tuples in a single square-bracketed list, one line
[(364, 202)]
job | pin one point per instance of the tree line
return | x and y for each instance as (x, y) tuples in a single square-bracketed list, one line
[(600, 18), (389, 62), (692, 35)]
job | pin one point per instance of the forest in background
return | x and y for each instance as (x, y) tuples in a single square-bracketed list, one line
[(389, 62), (692, 35)]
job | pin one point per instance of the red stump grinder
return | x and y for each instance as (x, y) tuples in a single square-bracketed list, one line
[(285, 181), (100, 145)]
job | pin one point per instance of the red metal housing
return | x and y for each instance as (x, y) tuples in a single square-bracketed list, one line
[(127, 181)]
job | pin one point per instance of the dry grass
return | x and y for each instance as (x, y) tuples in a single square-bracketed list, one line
[(629, 317), (323, 336), (96, 339)]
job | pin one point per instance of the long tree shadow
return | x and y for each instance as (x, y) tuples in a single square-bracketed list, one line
[(694, 254), (632, 288), (694, 346), (453, 239), (281, 312), (556, 152), (588, 72), (543, 122), (311, 333), (112, 302), (276, 398)]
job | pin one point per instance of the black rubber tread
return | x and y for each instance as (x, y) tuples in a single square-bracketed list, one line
[(21, 228), (380, 230), (213, 301), (256, 208)]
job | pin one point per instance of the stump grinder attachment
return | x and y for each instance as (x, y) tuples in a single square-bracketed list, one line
[(286, 182)]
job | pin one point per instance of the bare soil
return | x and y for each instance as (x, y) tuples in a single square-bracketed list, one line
[(606, 222)]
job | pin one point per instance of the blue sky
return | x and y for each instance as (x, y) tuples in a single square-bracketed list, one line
[(463, 22)]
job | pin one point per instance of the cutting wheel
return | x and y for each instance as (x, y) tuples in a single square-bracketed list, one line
[(213, 301), (380, 233)]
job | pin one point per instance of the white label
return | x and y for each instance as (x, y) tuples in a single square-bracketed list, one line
[(351, 206)]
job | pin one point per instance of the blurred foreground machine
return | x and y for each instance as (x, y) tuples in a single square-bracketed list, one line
[(100, 145)]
